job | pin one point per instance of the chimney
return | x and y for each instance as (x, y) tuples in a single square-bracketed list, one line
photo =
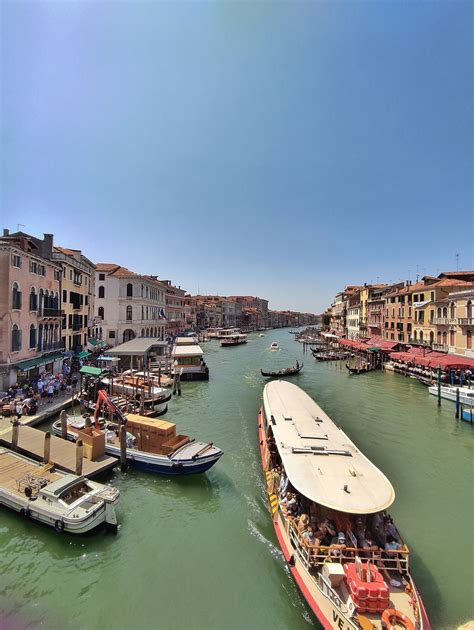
[(6, 232), (48, 246)]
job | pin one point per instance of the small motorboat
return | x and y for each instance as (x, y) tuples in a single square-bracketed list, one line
[(262, 335), (274, 346), (69, 503), (295, 369)]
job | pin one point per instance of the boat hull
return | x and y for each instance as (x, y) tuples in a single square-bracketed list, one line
[(451, 395), (160, 464)]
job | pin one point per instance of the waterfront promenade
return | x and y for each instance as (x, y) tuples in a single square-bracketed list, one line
[(206, 544)]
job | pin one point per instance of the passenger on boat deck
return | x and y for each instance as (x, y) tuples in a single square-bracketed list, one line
[(289, 504), (338, 544), (303, 523), (283, 485), (309, 536), (389, 528), (391, 546), (328, 531)]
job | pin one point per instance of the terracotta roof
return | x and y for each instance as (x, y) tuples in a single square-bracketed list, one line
[(106, 266), (65, 250)]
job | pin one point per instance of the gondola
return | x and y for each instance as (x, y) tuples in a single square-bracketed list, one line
[(296, 369), (359, 370)]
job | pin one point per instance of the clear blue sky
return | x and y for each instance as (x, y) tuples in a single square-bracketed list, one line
[(283, 149)]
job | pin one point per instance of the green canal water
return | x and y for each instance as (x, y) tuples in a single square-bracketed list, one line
[(198, 553)]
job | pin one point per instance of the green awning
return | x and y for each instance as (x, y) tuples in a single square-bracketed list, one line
[(32, 363), (92, 371), (84, 354), (93, 342), (102, 344)]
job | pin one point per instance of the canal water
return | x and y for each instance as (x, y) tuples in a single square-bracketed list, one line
[(200, 553)]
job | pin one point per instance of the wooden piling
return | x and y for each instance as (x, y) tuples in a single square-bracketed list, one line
[(79, 456), (123, 447), (15, 431), (174, 383), (63, 418), (439, 386), (178, 383), (159, 374), (457, 403), (47, 447)]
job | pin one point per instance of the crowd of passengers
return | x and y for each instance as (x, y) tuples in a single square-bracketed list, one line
[(336, 535)]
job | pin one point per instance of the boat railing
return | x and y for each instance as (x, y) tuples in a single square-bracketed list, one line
[(317, 555)]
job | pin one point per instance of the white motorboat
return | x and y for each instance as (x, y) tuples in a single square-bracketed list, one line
[(274, 346), (466, 395), (69, 503)]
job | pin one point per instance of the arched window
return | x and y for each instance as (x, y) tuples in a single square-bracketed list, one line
[(40, 337), (421, 335), (452, 310), (469, 340), (100, 312), (147, 332), (16, 296), (129, 314), (32, 337), (101, 291), (415, 335), (438, 337), (469, 309), (46, 299), (146, 289), (445, 311), (33, 300), (438, 312), (451, 338), (445, 337), (128, 335), (16, 339), (129, 290), (55, 301), (41, 302), (143, 332)]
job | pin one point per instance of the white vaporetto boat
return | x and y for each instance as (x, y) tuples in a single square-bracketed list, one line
[(332, 526), (66, 502), (466, 395), (234, 340)]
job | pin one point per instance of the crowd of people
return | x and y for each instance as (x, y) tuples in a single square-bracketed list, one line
[(24, 398), (336, 535)]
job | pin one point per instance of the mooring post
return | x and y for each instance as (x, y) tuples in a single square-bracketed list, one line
[(159, 374), (15, 431), (79, 454), (439, 386), (179, 384), (47, 447), (88, 422), (174, 383), (457, 403), (63, 418), (123, 448)]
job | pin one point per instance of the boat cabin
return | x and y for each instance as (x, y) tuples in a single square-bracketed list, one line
[(188, 362)]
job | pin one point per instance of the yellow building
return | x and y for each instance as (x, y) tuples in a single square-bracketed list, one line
[(77, 296)]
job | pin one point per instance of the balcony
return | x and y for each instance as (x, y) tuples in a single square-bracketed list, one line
[(77, 326), (418, 342), (50, 312), (55, 345), (440, 347), (444, 321), (466, 321)]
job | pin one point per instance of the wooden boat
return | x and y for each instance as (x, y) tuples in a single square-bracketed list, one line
[(234, 340), (360, 369), (342, 491), (69, 503), (152, 445), (296, 369)]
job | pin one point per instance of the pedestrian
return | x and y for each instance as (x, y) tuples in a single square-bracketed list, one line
[(39, 386), (12, 407), (50, 391), (19, 409)]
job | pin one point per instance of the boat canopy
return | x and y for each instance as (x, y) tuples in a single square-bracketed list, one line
[(319, 458), (187, 351)]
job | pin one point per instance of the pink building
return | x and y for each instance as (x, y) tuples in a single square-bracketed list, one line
[(30, 315)]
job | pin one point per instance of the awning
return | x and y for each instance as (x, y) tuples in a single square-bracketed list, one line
[(93, 342), (84, 354), (32, 363), (92, 371)]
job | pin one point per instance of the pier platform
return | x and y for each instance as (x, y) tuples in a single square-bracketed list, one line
[(62, 453)]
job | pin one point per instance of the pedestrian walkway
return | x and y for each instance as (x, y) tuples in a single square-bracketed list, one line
[(45, 410)]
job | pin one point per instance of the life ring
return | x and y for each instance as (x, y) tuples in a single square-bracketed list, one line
[(401, 619), (59, 526)]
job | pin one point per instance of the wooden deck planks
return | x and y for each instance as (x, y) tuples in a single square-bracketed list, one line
[(12, 469), (63, 453)]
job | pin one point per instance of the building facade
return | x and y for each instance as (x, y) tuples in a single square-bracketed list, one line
[(127, 305), (175, 315), (77, 297), (30, 305)]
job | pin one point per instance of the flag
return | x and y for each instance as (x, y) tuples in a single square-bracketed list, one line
[(162, 314)]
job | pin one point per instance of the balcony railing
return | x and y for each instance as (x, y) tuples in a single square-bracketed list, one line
[(50, 312), (466, 321), (440, 347), (418, 342), (443, 321), (55, 345)]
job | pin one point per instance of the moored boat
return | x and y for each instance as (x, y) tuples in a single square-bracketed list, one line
[(361, 368), (69, 503), (332, 524), (152, 445), (466, 395), (188, 362)]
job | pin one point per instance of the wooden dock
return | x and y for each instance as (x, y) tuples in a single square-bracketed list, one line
[(62, 452)]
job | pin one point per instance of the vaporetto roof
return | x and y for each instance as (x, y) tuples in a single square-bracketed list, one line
[(319, 458)]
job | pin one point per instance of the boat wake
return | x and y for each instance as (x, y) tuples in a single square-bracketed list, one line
[(276, 553)]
